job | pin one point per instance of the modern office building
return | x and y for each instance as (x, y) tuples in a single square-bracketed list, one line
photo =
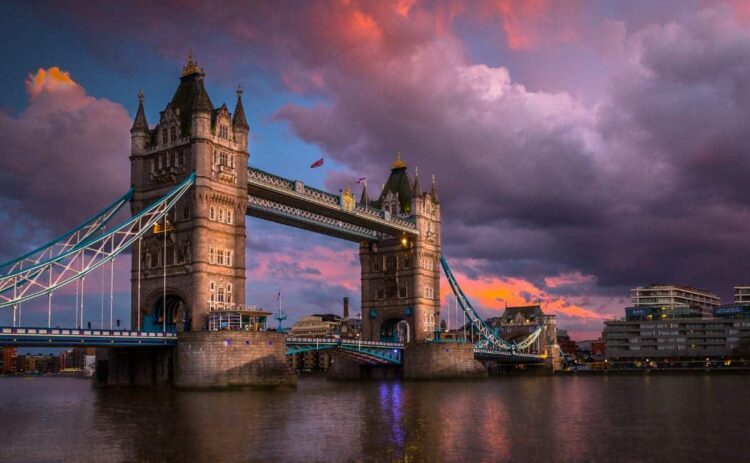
[(686, 338), (675, 298), (742, 295)]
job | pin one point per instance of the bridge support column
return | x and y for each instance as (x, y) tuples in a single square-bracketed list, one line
[(134, 366), (442, 361), (231, 358)]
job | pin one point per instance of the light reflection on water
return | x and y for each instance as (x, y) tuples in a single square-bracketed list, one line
[(529, 419)]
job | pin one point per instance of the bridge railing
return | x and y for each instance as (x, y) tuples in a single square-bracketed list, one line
[(85, 332), (354, 342)]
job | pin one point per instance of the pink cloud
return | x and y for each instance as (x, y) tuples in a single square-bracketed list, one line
[(66, 156)]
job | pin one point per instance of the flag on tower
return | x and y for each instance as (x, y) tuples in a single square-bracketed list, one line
[(278, 296), (317, 163), (361, 179)]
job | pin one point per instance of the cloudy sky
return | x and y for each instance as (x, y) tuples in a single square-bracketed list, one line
[(581, 148)]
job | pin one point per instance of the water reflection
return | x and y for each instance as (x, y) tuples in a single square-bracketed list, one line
[(506, 419), (391, 408)]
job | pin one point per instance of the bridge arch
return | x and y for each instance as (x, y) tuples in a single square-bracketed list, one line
[(178, 312), (395, 329)]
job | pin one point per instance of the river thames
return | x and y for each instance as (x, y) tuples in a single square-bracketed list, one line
[(526, 419)]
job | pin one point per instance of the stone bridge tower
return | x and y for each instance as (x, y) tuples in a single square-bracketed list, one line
[(401, 275), (204, 236)]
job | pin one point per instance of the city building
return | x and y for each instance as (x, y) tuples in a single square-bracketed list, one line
[(591, 349), (8, 359), (37, 363), (316, 326), (742, 294), (351, 328), (679, 301), (686, 338), (567, 345)]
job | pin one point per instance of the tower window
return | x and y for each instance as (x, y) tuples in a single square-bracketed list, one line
[(164, 136), (229, 217), (390, 263), (224, 131), (173, 133), (212, 213), (402, 290)]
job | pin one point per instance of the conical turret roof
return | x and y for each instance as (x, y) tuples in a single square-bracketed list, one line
[(140, 124), (191, 96), (238, 118), (398, 182)]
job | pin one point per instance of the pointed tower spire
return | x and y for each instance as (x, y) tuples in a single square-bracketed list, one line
[(365, 198), (433, 190), (416, 189), (140, 123), (238, 119)]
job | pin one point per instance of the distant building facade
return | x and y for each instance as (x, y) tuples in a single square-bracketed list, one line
[(316, 326), (674, 300), (673, 322)]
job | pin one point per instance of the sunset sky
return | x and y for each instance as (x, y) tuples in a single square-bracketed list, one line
[(580, 148)]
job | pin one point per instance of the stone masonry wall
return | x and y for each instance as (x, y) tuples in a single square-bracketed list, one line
[(231, 358), (441, 361)]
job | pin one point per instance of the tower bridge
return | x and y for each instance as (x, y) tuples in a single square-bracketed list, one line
[(191, 189)]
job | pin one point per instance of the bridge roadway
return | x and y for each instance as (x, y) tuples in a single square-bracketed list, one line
[(368, 352), (293, 203)]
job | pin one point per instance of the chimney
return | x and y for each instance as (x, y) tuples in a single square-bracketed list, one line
[(346, 307)]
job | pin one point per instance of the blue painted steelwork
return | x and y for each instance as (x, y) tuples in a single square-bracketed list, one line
[(73, 337), (96, 223), (71, 265), (484, 330), (372, 352), (491, 343)]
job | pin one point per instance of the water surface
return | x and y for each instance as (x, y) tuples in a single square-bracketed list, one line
[(525, 419)]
